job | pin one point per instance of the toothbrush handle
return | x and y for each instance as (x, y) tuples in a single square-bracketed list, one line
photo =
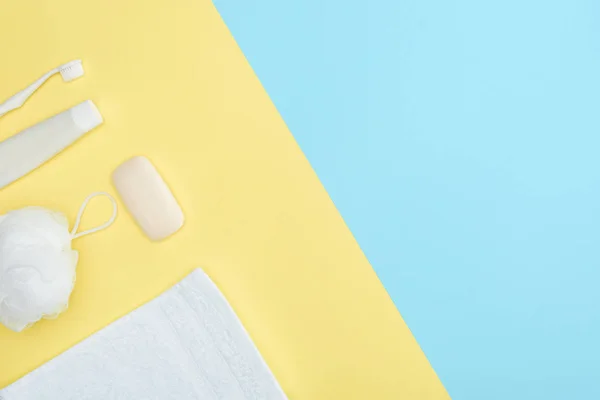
[(19, 99)]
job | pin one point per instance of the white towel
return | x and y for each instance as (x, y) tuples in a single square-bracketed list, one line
[(185, 344)]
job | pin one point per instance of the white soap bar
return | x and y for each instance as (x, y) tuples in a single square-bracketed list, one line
[(148, 198)]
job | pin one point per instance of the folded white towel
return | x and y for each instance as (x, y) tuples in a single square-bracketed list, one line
[(185, 344)]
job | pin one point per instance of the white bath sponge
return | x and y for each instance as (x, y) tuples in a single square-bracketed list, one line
[(37, 266)]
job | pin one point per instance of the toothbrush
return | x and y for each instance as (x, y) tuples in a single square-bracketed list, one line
[(69, 71)]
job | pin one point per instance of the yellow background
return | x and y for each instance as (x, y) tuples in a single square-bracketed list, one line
[(172, 85)]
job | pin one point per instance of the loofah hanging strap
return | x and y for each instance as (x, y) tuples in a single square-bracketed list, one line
[(75, 234)]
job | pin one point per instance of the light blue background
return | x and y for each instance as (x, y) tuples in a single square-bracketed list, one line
[(460, 140)]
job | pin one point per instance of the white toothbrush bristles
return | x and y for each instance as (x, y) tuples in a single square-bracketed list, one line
[(71, 70)]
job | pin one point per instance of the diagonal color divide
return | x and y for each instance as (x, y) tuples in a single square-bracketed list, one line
[(172, 85), (459, 141)]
